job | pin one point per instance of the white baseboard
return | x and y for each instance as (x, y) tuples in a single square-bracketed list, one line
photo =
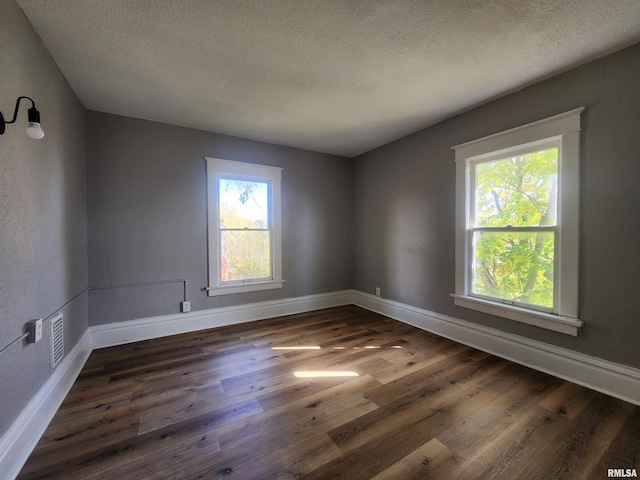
[(22, 437), (120, 333), (603, 376)]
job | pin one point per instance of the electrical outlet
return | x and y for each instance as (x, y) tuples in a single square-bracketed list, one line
[(34, 331), (186, 306), (377, 291)]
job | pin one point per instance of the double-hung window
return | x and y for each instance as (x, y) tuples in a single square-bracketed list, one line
[(244, 232), (517, 195)]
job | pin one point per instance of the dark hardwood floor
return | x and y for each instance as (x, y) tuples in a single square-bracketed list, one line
[(226, 403)]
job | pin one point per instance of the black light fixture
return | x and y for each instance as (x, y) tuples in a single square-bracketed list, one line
[(34, 130)]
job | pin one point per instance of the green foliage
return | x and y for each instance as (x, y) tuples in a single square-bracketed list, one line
[(515, 266), (519, 191), (245, 255)]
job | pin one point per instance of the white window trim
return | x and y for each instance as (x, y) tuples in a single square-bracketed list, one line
[(564, 128), (217, 168)]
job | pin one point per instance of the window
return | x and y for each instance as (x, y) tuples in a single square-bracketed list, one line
[(244, 227), (517, 195)]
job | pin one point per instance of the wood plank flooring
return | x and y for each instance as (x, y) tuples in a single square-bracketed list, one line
[(226, 403)]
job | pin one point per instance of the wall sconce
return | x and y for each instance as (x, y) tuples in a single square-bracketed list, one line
[(34, 130)]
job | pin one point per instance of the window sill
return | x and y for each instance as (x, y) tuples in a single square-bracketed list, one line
[(557, 323), (244, 287)]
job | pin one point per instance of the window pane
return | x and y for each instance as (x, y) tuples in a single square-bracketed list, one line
[(245, 255), (514, 266), (520, 191), (243, 204)]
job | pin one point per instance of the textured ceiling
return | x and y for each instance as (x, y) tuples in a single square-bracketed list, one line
[(332, 76)]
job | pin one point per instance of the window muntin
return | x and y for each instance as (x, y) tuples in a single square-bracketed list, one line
[(244, 227), (548, 237), (512, 232)]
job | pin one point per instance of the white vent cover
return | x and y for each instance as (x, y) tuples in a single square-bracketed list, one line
[(57, 340)]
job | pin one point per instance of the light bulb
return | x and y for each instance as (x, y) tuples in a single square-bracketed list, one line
[(34, 130)]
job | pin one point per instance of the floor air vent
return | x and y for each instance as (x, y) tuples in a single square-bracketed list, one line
[(57, 340)]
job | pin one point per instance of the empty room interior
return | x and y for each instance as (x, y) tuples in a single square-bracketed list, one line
[(338, 239)]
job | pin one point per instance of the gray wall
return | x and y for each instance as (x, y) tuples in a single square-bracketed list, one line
[(147, 217), (405, 195), (43, 230)]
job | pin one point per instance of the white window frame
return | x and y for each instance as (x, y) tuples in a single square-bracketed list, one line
[(563, 130), (218, 168)]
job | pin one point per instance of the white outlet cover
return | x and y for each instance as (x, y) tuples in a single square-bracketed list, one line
[(186, 306)]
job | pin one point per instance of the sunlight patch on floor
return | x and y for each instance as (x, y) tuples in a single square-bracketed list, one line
[(308, 347), (324, 374)]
